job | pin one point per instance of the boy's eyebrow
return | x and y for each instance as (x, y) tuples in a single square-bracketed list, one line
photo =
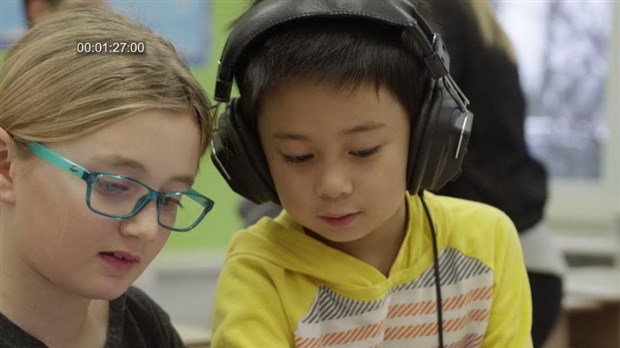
[(357, 129), (289, 136), (124, 162), (363, 128)]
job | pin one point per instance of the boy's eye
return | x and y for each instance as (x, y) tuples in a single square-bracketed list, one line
[(367, 152), (297, 159)]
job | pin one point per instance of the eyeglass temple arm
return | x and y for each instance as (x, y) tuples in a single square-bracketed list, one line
[(57, 160), (198, 197)]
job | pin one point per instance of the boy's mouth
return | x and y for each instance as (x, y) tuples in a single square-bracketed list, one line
[(340, 220)]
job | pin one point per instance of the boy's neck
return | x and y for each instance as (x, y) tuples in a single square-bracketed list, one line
[(380, 247), (48, 313)]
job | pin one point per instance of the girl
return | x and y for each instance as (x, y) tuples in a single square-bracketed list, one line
[(98, 153)]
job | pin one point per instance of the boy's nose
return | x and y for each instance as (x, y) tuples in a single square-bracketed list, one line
[(334, 182)]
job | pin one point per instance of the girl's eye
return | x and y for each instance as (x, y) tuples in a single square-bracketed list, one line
[(110, 187), (169, 202), (297, 159), (367, 152)]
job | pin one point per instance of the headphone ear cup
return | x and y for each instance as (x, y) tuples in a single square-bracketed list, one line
[(442, 144), (418, 144), (237, 154)]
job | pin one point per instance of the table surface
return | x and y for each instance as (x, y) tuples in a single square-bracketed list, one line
[(193, 336), (597, 283)]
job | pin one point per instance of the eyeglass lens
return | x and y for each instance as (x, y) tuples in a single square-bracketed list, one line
[(119, 197)]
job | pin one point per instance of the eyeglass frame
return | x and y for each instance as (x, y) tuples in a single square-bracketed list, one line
[(89, 177)]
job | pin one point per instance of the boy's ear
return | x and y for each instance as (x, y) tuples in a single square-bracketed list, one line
[(7, 155)]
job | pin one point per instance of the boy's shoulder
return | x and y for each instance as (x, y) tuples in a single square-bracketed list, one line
[(266, 237), (266, 229), (475, 229), (458, 208)]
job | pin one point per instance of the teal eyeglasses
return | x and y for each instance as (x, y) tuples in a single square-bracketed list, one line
[(119, 197)]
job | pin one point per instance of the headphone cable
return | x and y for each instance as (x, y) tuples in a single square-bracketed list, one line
[(436, 271)]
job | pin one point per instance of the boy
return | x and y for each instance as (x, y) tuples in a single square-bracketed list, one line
[(346, 115)]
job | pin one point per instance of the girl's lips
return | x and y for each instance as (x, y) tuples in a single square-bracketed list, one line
[(119, 259), (341, 220)]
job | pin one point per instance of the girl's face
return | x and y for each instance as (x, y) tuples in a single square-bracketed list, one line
[(57, 239), (338, 157)]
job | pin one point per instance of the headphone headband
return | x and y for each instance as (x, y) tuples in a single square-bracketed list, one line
[(439, 133), (270, 13)]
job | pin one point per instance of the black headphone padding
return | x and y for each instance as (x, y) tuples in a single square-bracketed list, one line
[(238, 154), (439, 133)]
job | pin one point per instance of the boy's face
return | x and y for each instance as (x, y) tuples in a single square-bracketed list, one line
[(337, 156)]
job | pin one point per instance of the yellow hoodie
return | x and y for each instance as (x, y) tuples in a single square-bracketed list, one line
[(282, 288)]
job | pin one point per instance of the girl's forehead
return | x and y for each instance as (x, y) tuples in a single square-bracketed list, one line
[(157, 142)]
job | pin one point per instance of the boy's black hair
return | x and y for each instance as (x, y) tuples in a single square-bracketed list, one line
[(342, 52)]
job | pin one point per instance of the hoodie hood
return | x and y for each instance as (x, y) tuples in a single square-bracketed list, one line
[(283, 242)]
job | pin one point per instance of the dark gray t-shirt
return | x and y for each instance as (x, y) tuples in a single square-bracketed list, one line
[(135, 321)]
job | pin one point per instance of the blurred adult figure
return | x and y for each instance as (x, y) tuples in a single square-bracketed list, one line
[(498, 169)]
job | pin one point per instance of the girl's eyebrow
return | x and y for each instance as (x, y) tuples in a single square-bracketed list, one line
[(366, 127), (118, 161)]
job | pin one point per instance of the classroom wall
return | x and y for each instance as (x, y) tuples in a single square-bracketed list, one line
[(614, 105)]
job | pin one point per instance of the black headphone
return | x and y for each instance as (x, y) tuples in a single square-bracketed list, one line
[(439, 135)]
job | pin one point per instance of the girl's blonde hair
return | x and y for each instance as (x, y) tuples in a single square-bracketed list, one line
[(49, 92)]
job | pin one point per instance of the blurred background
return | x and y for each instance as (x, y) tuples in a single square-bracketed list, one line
[(569, 56)]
